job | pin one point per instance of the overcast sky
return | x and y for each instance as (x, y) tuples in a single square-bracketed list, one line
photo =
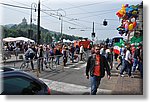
[(79, 14)]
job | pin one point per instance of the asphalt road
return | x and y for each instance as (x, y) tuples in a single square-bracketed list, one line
[(72, 80)]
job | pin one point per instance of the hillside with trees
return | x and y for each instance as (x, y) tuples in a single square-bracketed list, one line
[(23, 29)]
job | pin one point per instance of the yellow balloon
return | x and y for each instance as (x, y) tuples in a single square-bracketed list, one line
[(130, 27), (123, 6), (121, 12), (134, 12)]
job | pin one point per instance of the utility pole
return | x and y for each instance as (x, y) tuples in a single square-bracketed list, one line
[(31, 30), (93, 34), (38, 25), (61, 29), (93, 27)]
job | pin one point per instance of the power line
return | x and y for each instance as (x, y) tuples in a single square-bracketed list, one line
[(96, 15), (49, 9), (67, 21), (75, 21), (77, 8), (15, 6), (93, 12), (86, 5), (20, 3), (17, 11)]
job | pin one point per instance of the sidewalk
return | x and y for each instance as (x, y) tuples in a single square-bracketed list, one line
[(129, 86), (122, 85)]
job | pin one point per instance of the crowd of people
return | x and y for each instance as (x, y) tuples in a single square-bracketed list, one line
[(130, 57), (101, 60), (45, 53)]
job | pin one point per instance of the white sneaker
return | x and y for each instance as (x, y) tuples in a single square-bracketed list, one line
[(122, 75), (132, 76)]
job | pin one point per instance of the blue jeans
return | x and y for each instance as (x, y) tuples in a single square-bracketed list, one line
[(95, 82), (57, 60), (72, 55), (135, 63), (127, 66)]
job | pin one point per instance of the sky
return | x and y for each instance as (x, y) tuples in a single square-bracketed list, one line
[(77, 14)]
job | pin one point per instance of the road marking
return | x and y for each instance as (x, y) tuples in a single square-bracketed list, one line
[(77, 68), (71, 88)]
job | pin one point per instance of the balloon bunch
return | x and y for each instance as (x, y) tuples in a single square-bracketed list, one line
[(128, 14)]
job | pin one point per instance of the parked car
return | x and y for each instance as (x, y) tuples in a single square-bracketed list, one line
[(17, 82)]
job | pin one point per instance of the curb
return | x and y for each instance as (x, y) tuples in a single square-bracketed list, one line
[(5, 62)]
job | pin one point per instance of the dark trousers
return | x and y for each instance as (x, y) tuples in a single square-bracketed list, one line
[(40, 63), (141, 68), (31, 60), (116, 56), (81, 56)]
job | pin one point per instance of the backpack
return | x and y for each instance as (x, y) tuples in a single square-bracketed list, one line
[(51, 52)]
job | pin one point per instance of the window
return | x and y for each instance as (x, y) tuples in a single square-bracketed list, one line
[(20, 85)]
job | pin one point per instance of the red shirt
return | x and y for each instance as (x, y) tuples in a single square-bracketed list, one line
[(97, 66)]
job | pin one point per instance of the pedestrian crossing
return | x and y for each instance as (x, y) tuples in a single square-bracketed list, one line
[(75, 66), (72, 89)]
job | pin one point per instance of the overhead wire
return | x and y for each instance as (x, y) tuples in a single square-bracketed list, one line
[(85, 5), (16, 10), (15, 6), (23, 7), (93, 12)]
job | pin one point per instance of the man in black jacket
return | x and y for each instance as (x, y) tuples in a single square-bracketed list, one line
[(96, 65)]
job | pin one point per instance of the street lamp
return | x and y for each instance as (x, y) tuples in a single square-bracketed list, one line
[(61, 27), (61, 15), (33, 6)]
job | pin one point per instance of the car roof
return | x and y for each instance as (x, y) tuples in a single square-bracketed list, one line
[(21, 74)]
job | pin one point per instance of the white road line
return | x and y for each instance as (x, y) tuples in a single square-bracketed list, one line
[(71, 88), (77, 68)]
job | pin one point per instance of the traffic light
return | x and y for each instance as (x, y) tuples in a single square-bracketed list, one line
[(105, 23), (93, 35)]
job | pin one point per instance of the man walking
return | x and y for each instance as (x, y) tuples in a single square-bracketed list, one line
[(81, 51), (96, 65)]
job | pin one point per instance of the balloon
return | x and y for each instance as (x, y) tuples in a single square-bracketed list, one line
[(134, 12), (133, 19), (123, 6), (126, 5), (127, 9), (130, 9), (134, 24), (130, 27), (126, 29), (126, 32), (121, 12), (119, 15), (129, 15), (126, 26)]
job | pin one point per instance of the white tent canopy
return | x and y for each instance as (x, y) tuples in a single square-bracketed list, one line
[(11, 39), (24, 39), (67, 41)]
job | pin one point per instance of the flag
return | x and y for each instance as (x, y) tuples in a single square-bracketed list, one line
[(117, 46)]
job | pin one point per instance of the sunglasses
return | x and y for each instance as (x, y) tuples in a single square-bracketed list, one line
[(97, 49)]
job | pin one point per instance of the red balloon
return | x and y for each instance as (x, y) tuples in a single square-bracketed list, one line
[(134, 24), (119, 15)]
